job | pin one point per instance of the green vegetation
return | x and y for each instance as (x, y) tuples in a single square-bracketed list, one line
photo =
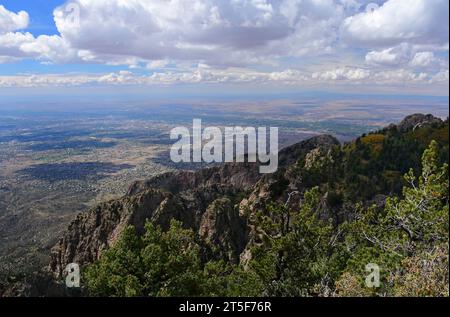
[(156, 264), (374, 163), (300, 253), (408, 240)]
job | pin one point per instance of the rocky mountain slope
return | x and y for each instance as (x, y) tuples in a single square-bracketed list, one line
[(210, 201), (218, 203)]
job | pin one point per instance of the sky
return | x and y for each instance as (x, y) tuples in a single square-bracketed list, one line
[(378, 47)]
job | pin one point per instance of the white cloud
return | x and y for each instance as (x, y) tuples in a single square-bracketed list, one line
[(352, 74), (52, 48), (18, 45), (289, 77), (155, 30), (10, 21), (399, 21), (401, 76), (424, 59), (238, 41), (405, 55), (11, 42), (394, 56), (157, 64), (217, 32)]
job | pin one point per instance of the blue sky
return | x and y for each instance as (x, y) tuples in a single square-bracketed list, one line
[(41, 22), (276, 45), (40, 12)]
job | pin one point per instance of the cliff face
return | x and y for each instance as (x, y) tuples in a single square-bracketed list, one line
[(217, 203)]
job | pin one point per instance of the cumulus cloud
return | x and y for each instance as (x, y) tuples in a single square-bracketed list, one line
[(405, 55), (175, 29), (237, 41), (353, 74), (425, 59), (394, 56), (399, 21), (52, 48), (11, 41), (212, 31), (290, 77), (216, 32), (10, 21), (18, 45)]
